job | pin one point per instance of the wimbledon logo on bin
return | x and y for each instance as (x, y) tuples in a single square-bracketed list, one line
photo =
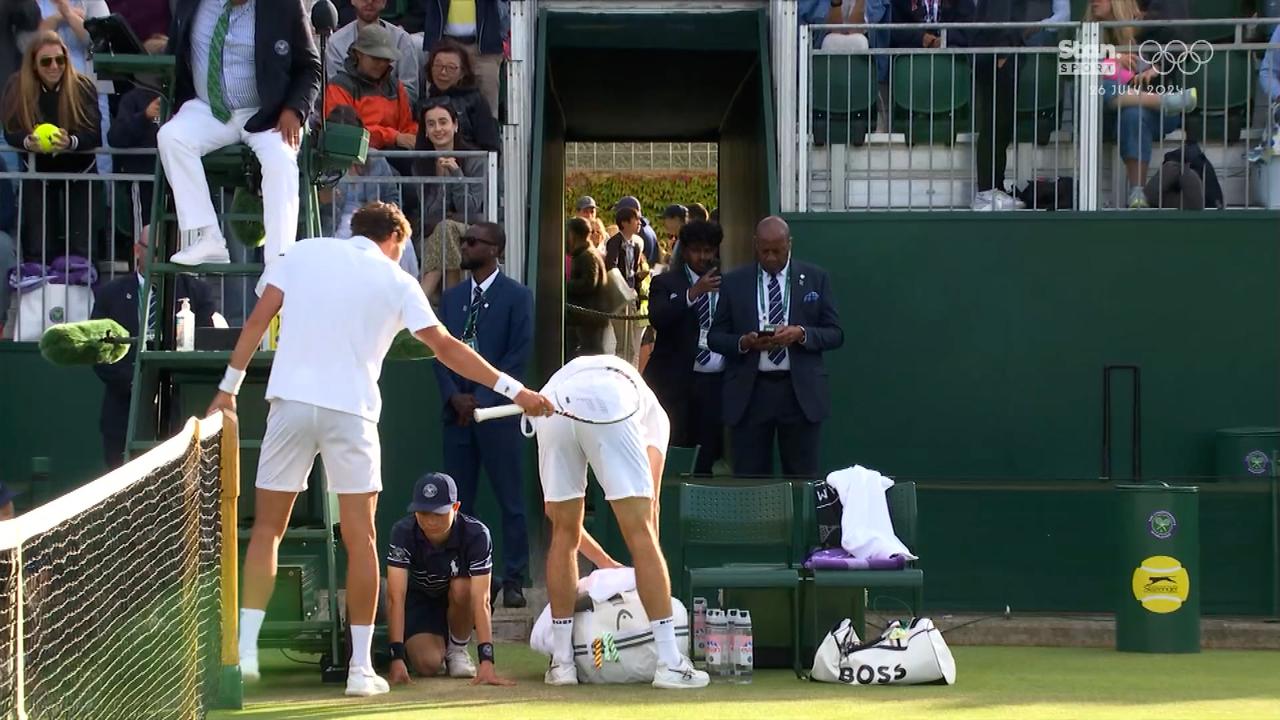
[(1162, 524), (1257, 462), (1161, 584)]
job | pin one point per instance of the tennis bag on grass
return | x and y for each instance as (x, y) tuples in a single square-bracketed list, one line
[(612, 640), (912, 655)]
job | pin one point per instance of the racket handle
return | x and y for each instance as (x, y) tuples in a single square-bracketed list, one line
[(493, 413)]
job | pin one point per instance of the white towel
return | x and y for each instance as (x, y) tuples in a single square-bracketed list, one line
[(600, 585), (866, 531)]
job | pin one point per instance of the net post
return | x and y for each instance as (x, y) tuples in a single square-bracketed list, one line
[(230, 685)]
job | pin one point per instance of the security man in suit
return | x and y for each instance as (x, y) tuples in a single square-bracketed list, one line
[(494, 315), (774, 320), (248, 72), (120, 300), (683, 371)]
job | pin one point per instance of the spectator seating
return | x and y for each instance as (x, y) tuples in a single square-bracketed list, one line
[(1225, 85), (931, 98), (1039, 103), (844, 98)]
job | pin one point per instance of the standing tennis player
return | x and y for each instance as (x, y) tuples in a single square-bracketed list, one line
[(626, 457), (342, 303)]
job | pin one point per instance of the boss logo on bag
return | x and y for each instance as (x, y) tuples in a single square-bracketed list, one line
[(872, 675)]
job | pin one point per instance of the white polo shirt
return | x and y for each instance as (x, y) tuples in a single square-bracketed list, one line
[(344, 302), (655, 428)]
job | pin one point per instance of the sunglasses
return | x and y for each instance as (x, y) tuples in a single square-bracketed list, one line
[(61, 60), (473, 240), (447, 68)]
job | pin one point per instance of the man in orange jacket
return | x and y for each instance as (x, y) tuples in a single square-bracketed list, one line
[(366, 83)]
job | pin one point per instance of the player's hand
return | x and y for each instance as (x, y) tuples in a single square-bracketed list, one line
[(399, 674), (932, 41), (486, 675), (709, 282), (225, 402), (290, 128), (534, 404), (610, 564), (755, 341), (464, 405), (153, 110), (787, 335)]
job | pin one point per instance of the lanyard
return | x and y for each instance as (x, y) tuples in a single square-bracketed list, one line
[(712, 297), (762, 296)]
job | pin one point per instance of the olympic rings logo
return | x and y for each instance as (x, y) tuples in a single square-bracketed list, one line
[(1176, 55)]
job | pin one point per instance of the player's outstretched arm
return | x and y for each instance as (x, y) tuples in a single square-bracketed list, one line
[(466, 362), (250, 338), (397, 587)]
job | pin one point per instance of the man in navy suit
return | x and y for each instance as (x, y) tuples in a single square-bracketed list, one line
[(772, 323), (247, 72), (683, 371), (120, 300), (494, 315)]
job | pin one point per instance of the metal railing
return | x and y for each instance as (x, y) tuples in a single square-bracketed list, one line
[(77, 231), (916, 128)]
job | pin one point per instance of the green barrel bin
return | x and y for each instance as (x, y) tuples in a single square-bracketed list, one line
[(1159, 602), (1247, 452)]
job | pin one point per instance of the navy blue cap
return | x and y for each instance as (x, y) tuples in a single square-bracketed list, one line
[(434, 492), (627, 201)]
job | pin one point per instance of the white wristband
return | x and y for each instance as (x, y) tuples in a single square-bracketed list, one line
[(507, 386), (231, 381)]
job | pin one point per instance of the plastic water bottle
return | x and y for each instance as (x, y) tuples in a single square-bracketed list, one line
[(717, 641), (730, 647), (743, 648), (699, 629), (186, 327)]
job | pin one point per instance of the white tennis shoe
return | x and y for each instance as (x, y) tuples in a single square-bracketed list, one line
[(561, 675), (363, 682), (681, 677), (459, 663)]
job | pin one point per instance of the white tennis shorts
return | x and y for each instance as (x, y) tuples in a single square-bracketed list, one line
[(617, 454), (296, 431)]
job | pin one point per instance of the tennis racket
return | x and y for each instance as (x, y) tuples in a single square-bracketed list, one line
[(593, 395)]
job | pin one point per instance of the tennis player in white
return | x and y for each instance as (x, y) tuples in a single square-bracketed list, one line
[(627, 458), (341, 304)]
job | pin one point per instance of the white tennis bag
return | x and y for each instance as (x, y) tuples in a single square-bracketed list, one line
[(911, 655), (612, 639)]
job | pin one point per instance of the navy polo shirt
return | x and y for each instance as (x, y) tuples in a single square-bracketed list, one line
[(467, 553)]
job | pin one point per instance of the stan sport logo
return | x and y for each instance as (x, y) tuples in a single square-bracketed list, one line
[(1102, 59)]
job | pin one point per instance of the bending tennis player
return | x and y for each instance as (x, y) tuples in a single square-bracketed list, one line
[(607, 417), (341, 303)]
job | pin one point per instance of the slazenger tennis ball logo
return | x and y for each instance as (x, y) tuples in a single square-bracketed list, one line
[(1161, 584)]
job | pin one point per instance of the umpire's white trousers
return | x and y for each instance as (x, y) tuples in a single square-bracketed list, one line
[(192, 133)]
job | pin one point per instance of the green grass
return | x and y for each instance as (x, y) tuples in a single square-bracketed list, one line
[(993, 683)]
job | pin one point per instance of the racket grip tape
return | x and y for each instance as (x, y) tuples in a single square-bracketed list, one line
[(493, 413)]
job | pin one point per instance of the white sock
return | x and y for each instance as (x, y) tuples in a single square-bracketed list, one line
[(361, 646), (250, 626), (455, 642), (664, 639), (562, 640)]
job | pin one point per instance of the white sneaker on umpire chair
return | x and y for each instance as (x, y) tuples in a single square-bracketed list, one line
[(561, 675), (363, 682), (459, 664), (681, 677), (207, 246)]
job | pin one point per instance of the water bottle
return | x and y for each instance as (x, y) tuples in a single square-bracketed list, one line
[(699, 629), (743, 648), (730, 647), (186, 327), (717, 639)]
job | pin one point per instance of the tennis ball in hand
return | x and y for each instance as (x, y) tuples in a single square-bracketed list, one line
[(45, 133)]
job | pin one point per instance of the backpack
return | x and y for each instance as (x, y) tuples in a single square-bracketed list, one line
[(1193, 157)]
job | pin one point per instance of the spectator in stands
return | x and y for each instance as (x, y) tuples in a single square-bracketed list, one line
[(367, 82), (1046, 11), (1269, 73), (838, 12), (449, 75), (1165, 10), (407, 65), (347, 197), (598, 235), (586, 208), (683, 371), (6, 503), (646, 233), (147, 18), (673, 218), (774, 320), (494, 315), (445, 210), (698, 211), (625, 251), (1141, 117), (66, 17), (260, 99), (119, 300), (49, 90), (136, 125), (476, 26), (16, 18), (584, 334)]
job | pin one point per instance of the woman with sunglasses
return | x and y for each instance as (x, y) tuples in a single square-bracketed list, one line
[(448, 74), (49, 90), (444, 210)]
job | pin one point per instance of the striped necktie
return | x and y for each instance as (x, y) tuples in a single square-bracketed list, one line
[(217, 96), (473, 313), (703, 307), (776, 317)]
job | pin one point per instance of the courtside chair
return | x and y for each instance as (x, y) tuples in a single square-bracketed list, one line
[(741, 537), (843, 97)]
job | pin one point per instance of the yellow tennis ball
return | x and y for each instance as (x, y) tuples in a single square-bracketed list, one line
[(1161, 584), (44, 133)]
